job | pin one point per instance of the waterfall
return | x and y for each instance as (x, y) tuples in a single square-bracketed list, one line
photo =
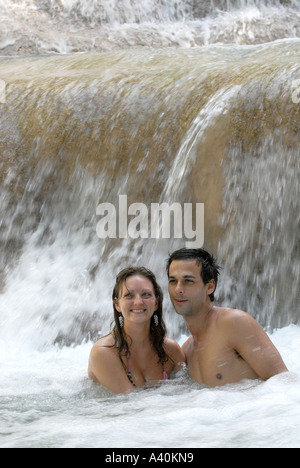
[(192, 106), (216, 125), (35, 27)]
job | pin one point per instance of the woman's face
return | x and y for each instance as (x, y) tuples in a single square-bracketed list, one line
[(137, 302)]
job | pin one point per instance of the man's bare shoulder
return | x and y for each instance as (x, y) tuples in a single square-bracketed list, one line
[(235, 324), (228, 317), (246, 336)]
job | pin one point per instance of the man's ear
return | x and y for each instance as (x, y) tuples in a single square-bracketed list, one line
[(211, 286)]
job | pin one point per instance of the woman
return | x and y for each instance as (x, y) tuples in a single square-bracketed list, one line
[(137, 352)]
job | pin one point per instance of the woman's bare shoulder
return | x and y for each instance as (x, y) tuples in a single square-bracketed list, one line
[(174, 350), (107, 341), (104, 348), (103, 357)]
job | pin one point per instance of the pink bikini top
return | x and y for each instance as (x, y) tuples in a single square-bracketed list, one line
[(129, 375)]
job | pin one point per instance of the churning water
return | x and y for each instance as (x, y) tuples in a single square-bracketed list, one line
[(175, 101)]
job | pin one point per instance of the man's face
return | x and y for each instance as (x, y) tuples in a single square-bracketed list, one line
[(187, 291)]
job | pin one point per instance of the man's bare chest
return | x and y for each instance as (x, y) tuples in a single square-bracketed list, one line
[(216, 364)]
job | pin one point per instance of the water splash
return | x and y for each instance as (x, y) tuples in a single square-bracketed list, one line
[(34, 27), (261, 220)]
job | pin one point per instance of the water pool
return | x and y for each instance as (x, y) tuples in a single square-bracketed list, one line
[(46, 400)]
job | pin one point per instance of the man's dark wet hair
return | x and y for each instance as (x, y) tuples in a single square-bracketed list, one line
[(210, 269)]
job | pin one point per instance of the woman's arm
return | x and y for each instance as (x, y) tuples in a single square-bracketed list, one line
[(175, 352), (106, 368)]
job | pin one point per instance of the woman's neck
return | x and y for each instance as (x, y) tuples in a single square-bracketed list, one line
[(139, 335)]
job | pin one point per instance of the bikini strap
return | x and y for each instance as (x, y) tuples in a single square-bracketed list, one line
[(129, 375)]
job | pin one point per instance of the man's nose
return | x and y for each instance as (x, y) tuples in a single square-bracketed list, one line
[(179, 287)]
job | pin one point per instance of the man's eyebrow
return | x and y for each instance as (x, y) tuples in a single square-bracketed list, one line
[(185, 277)]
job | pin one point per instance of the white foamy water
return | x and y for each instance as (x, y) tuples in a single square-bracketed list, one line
[(51, 26), (46, 400)]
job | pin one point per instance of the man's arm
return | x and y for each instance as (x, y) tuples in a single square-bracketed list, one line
[(249, 339)]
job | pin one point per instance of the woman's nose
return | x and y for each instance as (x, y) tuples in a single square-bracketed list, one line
[(138, 299)]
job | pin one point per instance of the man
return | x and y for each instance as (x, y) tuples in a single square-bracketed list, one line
[(227, 345)]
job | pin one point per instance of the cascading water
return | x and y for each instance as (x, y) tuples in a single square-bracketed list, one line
[(64, 26), (207, 113)]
